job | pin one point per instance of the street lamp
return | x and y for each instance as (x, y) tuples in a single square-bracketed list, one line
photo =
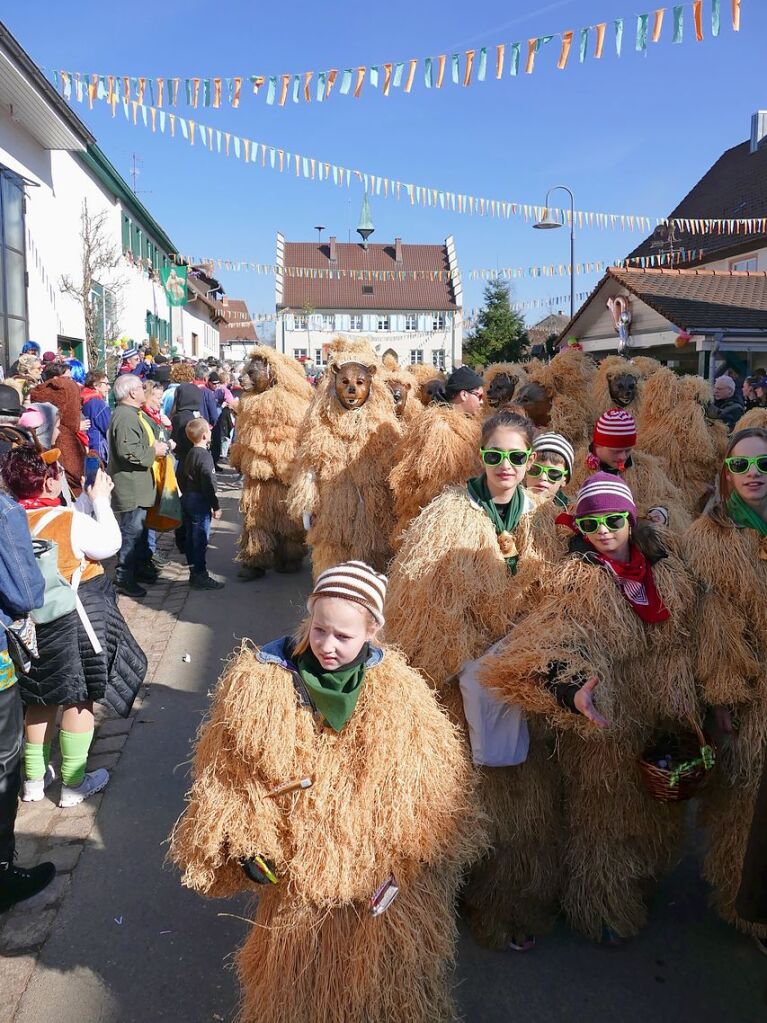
[(548, 223)]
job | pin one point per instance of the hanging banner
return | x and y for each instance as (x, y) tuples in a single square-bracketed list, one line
[(174, 280)]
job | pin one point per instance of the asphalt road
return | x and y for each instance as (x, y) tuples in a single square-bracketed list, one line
[(132, 946)]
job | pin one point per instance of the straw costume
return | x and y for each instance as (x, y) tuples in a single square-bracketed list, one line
[(619, 383), (614, 836), (728, 558), (557, 395), (439, 449), (755, 417), (344, 458), (674, 407), (404, 389), (424, 376), (275, 398), (502, 379), (644, 474), (452, 593), (390, 797)]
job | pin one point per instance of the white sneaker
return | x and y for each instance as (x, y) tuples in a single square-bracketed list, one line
[(93, 782), (35, 787)]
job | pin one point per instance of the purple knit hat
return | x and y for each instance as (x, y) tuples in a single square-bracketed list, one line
[(603, 493)]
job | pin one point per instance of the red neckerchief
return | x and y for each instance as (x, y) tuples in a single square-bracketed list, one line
[(634, 577), (87, 393), (154, 416), (30, 503)]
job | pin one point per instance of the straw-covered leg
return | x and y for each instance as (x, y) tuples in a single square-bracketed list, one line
[(268, 533)]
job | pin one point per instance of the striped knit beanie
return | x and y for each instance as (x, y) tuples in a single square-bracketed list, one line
[(615, 428), (556, 442), (355, 581), (603, 493)]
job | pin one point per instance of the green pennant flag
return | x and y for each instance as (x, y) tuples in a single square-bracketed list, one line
[(174, 280), (514, 58), (678, 24), (427, 72), (454, 62), (618, 35), (716, 15), (641, 43), (583, 45), (482, 64)]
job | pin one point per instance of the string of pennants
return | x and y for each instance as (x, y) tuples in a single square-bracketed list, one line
[(464, 68), (484, 274), (308, 167)]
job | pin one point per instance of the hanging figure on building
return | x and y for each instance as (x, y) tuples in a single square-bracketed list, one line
[(275, 397), (345, 453)]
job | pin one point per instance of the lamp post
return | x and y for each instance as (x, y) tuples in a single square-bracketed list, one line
[(548, 223)]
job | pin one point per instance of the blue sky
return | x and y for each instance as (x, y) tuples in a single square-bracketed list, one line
[(627, 135)]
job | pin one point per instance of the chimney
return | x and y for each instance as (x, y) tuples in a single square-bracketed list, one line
[(397, 250), (758, 129), (333, 251)]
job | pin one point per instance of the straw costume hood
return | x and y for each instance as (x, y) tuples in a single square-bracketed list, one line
[(451, 595), (343, 463), (557, 395), (502, 380), (644, 474), (619, 383), (614, 836), (391, 795), (264, 450), (755, 417), (404, 388), (676, 430), (439, 449), (730, 567), (425, 375)]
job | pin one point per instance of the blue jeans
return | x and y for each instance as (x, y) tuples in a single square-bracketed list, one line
[(197, 516), (133, 545)]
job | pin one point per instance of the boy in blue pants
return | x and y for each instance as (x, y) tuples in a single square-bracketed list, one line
[(199, 502)]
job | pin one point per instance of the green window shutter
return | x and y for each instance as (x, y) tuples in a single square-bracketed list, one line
[(149, 324), (126, 232)]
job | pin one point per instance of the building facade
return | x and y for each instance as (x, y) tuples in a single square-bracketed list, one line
[(52, 172), (407, 300)]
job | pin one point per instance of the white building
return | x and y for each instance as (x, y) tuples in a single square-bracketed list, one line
[(50, 166), (407, 300)]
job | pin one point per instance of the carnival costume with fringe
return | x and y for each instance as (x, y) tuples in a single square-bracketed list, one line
[(263, 451), (390, 797), (451, 595), (729, 562)]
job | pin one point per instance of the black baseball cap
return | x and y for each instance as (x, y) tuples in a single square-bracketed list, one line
[(463, 379)]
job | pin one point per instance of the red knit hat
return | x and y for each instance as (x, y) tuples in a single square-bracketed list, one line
[(615, 428)]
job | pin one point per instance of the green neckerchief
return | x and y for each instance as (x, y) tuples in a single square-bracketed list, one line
[(742, 515), (334, 693), (504, 517), (561, 499)]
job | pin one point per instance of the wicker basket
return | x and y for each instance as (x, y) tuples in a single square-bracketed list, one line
[(692, 758)]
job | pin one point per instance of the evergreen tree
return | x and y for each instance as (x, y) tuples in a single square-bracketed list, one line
[(500, 334)]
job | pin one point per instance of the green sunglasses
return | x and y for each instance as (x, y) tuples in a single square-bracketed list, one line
[(551, 472), (738, 464), (495, 456), (591, 523)]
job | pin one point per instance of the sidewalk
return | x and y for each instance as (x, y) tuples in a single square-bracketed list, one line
[(44, 832)]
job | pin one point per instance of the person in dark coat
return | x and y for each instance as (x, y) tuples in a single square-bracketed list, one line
[(86, 654), (726, 402), (187, 406)]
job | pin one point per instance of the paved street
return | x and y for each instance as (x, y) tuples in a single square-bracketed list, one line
[(129, 944)]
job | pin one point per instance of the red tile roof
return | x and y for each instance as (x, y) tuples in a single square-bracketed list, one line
[(237, 325), (735, 187), (347, 292), (695, 299)]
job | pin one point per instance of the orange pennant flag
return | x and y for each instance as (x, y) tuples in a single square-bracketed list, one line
[(332, 75), (246, 143), (313, 164), (153, 116), (410, 75), (93, 90), (258, 81), (284, 89), (469, 66), (440, 70), (141, 90), (697, 17), (736, 15), (564, 53), (657, 25), (500, 56), (216, 92), (600, 40), (387, 79), (532, 46), (192, 127), (126, 89), (172, 118), (110, 88), (160, 92), (281, 155), (307, 81), (360, 82), (237, 90), (195, 91)]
